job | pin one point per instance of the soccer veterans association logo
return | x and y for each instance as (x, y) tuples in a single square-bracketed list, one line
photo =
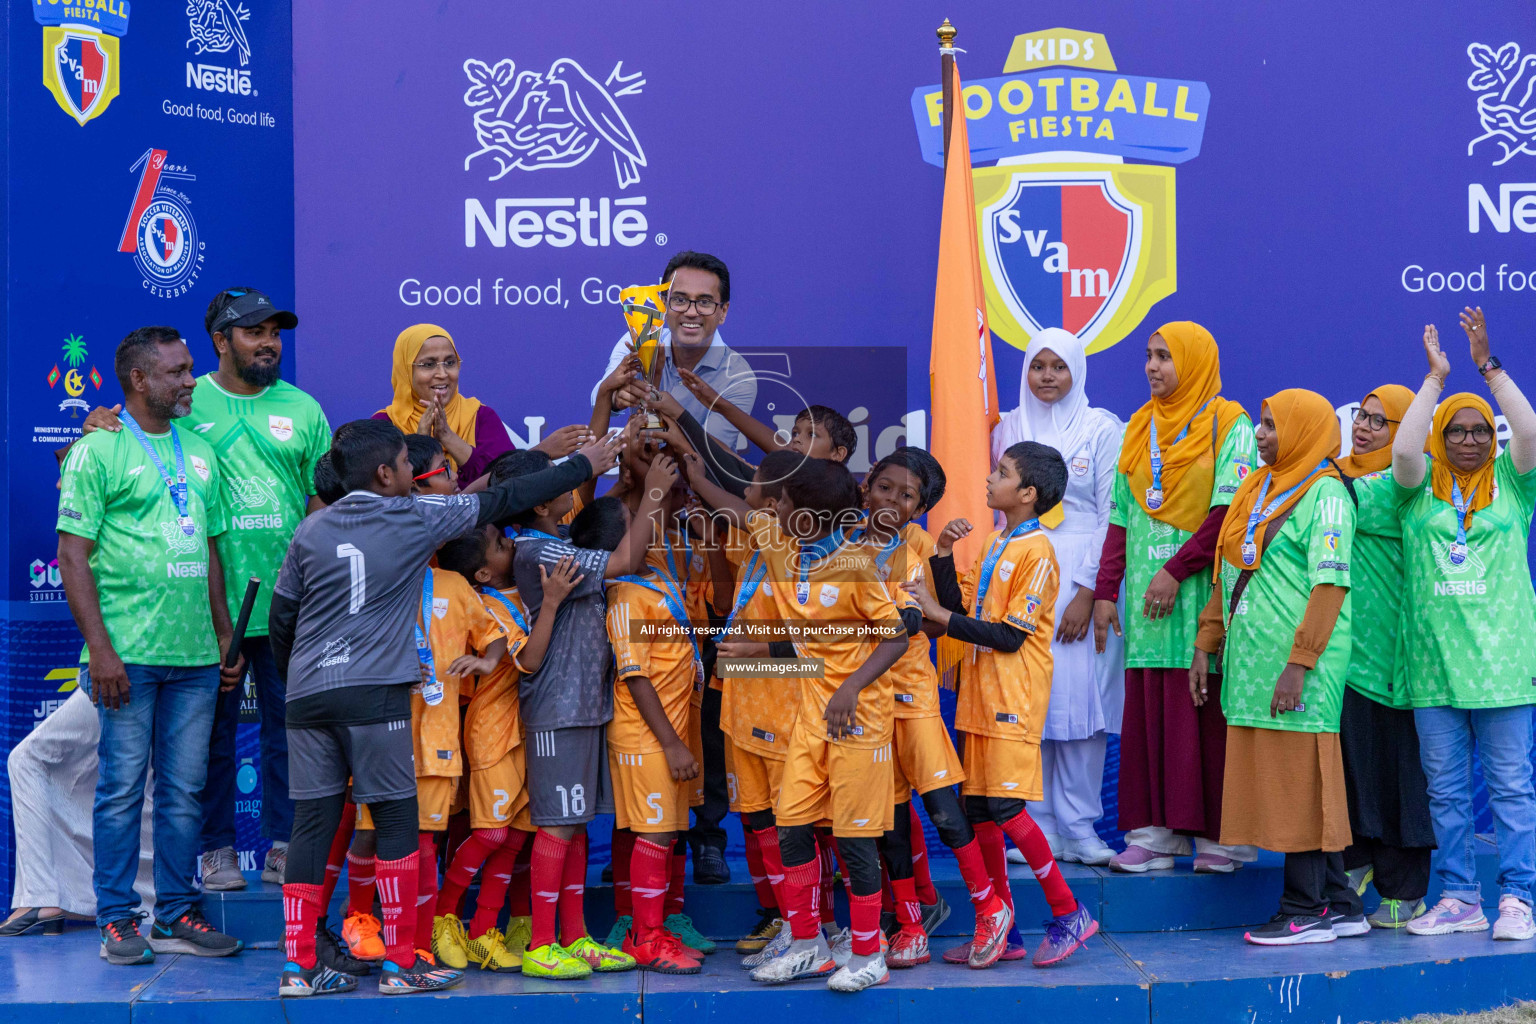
[(1072, 236), (80, 52), (160, 231)]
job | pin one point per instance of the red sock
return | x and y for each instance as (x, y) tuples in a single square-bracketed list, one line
[(360, 873), (573, 889), (301, 914), (908, 912), (802, 886), (773, 866), (494, 878), (978, 882), (426, 889), (520, 893), (675, 882), (758, 872), (471, 854), (864, 921), (1026, 835), (623, 854), (545, 871), (397, 892), (650, 867), (338, 856), (921, 874), (995, 856), (826, 854)]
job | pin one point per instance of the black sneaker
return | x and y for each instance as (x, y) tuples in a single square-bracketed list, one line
[(329, 952), (934, 914), (1291, 930), (1348, 926), (122, 944), (191, 933), (709, 867), (422, 976), (319, 980)]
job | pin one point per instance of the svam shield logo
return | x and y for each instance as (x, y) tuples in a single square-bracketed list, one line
[(80, 69), (1082, 247)]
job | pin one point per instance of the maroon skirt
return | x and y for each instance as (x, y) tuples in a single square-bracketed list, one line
[(1172, 754)]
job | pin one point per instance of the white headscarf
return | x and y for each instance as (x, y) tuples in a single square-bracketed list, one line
[(1066, 424)]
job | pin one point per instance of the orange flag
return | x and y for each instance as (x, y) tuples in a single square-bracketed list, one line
[(960, 379)]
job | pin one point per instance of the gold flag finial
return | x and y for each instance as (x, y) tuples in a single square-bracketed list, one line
[(947, 33)]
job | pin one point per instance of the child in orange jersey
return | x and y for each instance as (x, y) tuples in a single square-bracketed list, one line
[(1006, 682), (498, 799)]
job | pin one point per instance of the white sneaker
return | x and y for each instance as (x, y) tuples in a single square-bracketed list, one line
[(1015, 857), (777, 946), (872, 973), (1448, 916), (842, 946), (1092, 851), (1514, 920), (796, 965)]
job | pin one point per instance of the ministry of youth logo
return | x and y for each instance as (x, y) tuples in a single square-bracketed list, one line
[(532, 121), (215, 27), (1505, 83)]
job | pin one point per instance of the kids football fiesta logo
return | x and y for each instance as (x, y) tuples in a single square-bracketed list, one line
[(1072, 236), (80, 52)]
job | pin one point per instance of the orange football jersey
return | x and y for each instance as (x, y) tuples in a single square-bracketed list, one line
[(914, 680), (460, 625), (667, 661), (492, 727), (758, 713)]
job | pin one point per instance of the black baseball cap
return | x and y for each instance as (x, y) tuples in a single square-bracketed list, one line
[(249, 308)]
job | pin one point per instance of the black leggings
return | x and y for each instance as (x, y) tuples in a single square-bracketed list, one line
[(943, 807), (860, 856), (315, 823), (757, 821), (999, 809)]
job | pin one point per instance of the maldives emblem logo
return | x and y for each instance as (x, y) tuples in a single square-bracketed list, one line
[(1072, 235), (160, 231), (80, 52)]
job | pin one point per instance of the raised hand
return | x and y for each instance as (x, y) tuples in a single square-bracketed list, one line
[(1439, 366), (567, 439), (558, 583), (1476, 328), (953, 531), (661, 476), (696, 386), (604, 452)]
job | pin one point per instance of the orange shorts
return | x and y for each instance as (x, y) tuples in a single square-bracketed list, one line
[(753, 780), (497, 795), (925, 757), (696, 747), (850, 786), (1006, 768), (434, 803), (645, 796)]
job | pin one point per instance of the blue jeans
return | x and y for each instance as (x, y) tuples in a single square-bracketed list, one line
[(218, 796), (168, 717), (1503, 739)]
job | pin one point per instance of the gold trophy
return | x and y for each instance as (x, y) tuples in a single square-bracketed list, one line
[(645, 315)]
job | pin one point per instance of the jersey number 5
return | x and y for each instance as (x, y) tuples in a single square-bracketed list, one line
[(359, 592)]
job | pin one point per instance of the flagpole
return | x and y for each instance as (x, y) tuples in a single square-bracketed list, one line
[(946, 33)]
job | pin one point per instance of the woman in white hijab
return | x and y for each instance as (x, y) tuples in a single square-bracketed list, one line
[(1087, 689)]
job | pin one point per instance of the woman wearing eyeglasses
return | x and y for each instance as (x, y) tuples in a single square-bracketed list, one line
[(1384, 782), (425, 376), (1469, 621)]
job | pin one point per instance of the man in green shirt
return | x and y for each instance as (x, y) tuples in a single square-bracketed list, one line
[(267, 435), (138, 513)]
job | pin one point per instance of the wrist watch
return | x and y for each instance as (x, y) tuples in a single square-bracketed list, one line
[(1491, 365)]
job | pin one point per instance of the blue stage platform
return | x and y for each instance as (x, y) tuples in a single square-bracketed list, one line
[(1171, 951)]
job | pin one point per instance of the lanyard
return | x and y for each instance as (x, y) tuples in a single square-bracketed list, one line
[(674, 602), (883, 556), (511, 608), (178, 486), (803, 584), (1262, 512), (988, 564), (678, 577), (1459, 549), (532, 534), (757, 569), (1155, 492), (431, 687)]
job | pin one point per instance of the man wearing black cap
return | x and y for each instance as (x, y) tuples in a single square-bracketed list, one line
[(268, 435)]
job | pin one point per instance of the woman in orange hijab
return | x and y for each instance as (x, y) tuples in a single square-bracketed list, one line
[(1469, 627), (1281, 605), (1388, 801), (1184, 454)]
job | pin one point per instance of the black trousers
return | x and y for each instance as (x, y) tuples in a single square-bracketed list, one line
[(1400, 874), (1315, 883), (707, 830)]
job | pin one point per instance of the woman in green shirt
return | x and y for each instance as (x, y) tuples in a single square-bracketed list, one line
[(1281, 601), (1469, 618)]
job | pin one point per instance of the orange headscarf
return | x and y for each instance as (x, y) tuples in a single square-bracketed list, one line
[(1309, 433), (406, 409), (1476, 486), (1189, 467), (1394, 399)]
